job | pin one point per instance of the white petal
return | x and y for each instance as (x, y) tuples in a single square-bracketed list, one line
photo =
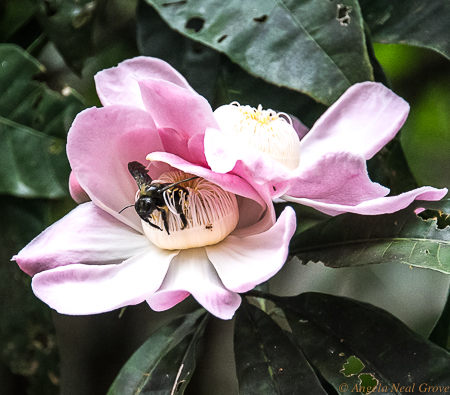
[(191, 272), (89, 289), (244, 263)]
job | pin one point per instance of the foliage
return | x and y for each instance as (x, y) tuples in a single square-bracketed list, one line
[(292, 56)]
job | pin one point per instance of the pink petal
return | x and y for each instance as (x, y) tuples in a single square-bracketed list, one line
[(225, 154), (191, 272), (119, 85), (243, 263), (86, 235), (190, 150), (90, 289), (78, 194), (338, 178), (228, 182), (382, 205), (177, 108), (100, 144), (362, 121)]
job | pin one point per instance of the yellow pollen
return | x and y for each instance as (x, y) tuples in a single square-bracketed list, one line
[(263, 130)]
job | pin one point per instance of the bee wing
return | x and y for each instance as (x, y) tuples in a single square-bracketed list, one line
[(139, 173)]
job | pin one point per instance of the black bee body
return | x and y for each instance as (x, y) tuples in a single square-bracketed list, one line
[(151, 196)]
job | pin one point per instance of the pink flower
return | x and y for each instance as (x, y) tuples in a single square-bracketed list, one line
[(326, 168), (96, 259)]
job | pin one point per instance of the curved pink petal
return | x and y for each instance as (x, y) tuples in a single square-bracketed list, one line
[(338, 178), (225, 154), (100, 144), (228, 182), (361, 121), (90, 289), (191, 272), (191, 150), (243, 263), (86, 235), (382, 205), (177, 108), (78, 194), (119, 85)]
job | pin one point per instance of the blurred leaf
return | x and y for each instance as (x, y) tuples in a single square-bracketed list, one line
[(13, 15), (69, 24), (415, 22), (270, 40), (405, 237), (165, 361), (334, 332), (27, 336), (33, 126), (267, 361), (441, 332)]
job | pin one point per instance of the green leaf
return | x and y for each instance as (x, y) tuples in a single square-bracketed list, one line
[(405, 237), (27, 336), (13, 15), (33, 126), (69, 25), (420, 23), (212, 74), (165, 362), (333, 332), (300, 45), (267, 361)]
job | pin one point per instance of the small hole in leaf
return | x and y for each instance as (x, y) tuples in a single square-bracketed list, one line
[(181, 2), (222, 38), (342, 14), (195, 23), (261, 18), (442, 219)]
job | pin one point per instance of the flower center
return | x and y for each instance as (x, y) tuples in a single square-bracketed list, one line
[(264, 130), (198, 213)]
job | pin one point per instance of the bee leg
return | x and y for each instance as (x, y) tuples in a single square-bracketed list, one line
[(152, 224), (180, 213), (164, 218)]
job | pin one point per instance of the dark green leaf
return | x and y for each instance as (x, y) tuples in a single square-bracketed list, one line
[(69, 25), (212, 74), (267, 361), (13, 15), (441, 332), (27, 336), (165, 362), (415, 22), (33, 126), (404, 236), (300, 45), (334, 332)]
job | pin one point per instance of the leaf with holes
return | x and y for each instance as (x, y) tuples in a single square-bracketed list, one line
[(164, 364), (421, 240), (415, 22), (354, 343), (267, 361), (313, 47), (212, 74), (33, 126)]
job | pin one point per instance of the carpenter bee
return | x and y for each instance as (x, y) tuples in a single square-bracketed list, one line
[(151, 196)]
